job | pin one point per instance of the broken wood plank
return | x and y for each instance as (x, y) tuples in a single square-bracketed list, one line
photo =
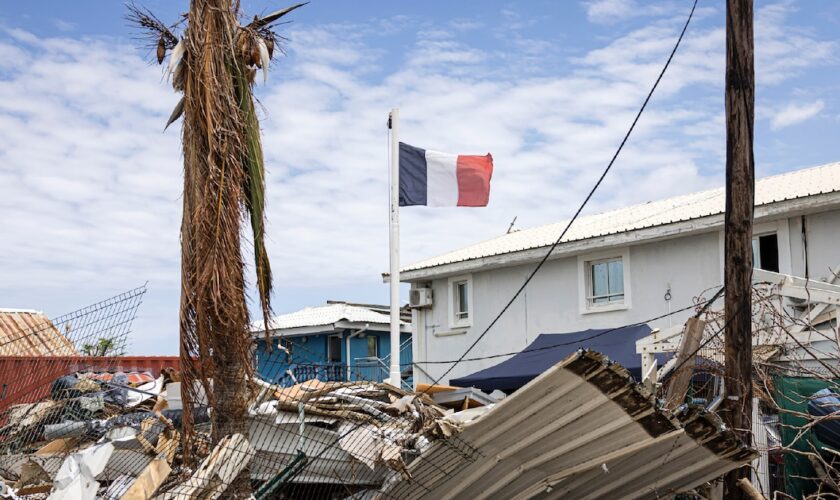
[(60, 445), (680, 380), (216, 472), (750, 490), (39, 489), (168, 444), (148, 481), (432, 389)]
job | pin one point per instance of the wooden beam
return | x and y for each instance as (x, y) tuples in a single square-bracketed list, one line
[(680, 380), (818, 309), (749, 490), (738, 221)]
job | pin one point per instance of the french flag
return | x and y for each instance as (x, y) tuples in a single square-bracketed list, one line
[(438, 179)]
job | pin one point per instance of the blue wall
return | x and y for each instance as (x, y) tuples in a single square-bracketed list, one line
[(309, 353)]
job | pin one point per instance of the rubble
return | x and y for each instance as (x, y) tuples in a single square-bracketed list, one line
[(365, 437), (581, 429), (339, 426), (118, 436)]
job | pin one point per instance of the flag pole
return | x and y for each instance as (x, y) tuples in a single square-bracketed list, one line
[(394, 247)]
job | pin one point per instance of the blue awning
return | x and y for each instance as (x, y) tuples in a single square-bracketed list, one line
[(548, 349)]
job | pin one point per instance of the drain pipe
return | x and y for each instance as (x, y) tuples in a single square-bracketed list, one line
[(347, 347)]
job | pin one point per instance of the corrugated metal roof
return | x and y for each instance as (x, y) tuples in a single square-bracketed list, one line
[(789, 186), (582, 429), (26, 332), (326, 315)]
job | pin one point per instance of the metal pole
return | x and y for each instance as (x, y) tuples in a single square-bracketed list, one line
[(347, 351), (394, 244)]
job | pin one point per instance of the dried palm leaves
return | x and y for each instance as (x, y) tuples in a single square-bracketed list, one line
[(213, 63)]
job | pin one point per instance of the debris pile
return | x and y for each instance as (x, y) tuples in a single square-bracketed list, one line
[(93, 430), (98, 438), (581, 429), (117, 436), (352, 433)]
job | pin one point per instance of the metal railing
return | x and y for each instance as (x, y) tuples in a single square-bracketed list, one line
[(387, 358), (370, 369)]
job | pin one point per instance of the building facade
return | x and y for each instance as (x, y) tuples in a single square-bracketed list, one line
[(644, 263), (339, 341)]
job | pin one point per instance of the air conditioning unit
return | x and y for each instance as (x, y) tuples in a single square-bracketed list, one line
[(419, 298)]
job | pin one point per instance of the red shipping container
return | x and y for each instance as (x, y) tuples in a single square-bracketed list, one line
[(27, 379)]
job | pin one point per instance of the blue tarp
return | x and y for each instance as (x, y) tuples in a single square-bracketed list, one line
[(619, 344), (822, 404)]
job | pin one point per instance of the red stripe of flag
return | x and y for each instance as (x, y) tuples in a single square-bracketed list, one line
[(474, 173)]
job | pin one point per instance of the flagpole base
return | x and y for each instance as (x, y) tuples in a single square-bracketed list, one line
[(394, 379)]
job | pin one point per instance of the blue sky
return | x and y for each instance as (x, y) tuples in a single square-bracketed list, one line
[(90, 185)]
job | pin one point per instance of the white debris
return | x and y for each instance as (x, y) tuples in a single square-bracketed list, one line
[(76, 479)]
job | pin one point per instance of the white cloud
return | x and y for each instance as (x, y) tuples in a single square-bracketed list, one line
[(794, 113), (784, 50), (63, 25), (607, 11), (90, 186), (615, 11)]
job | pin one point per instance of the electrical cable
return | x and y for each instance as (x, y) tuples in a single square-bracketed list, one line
[(593, 336), (582, 205), (559, 239)]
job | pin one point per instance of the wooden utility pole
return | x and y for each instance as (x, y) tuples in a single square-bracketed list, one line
[(740, 190)]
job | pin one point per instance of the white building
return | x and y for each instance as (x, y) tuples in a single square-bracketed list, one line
[(613, 269)]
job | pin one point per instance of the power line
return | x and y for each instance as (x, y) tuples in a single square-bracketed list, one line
[(582, 205), (593, 336), (557, 242)]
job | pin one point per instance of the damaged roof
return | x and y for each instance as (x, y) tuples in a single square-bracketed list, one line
[(26, 332), (580, 430), (769, 190), (328, 316)]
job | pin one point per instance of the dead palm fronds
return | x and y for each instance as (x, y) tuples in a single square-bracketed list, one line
[(153, 32), (213, 63)]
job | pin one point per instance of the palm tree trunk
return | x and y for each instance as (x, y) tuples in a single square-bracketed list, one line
[(215, 341)]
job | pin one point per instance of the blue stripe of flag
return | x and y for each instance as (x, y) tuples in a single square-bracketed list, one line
[(412, 175)]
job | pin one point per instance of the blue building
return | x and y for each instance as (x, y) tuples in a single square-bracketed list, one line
[(339, 341)]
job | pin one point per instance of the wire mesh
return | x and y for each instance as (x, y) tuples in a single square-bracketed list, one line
[(36, 352), (314, 430)]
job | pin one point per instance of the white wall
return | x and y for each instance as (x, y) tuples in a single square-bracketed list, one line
[(823, 235), (551, 304)]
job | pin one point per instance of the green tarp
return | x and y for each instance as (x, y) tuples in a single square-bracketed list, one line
[(792, 394)]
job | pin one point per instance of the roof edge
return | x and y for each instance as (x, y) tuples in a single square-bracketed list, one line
[(789, 208)]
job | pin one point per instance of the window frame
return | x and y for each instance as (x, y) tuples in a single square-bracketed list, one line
[(755, 244), (375, 339), (586, 285), (452, 298), (330, 346), (591, 297), (782, 228)]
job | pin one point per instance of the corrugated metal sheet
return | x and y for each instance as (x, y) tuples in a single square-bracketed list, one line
[(580, 430), (27, 379), (26, 332), (793, 185), (326, 315)]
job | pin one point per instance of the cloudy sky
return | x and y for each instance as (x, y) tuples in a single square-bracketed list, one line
[(90, 184)]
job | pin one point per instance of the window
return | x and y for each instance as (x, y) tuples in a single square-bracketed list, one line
[(334, 349), (603, 281), (460, 302), (765, 250), (372, 346), (462, 307), (606, 282)]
